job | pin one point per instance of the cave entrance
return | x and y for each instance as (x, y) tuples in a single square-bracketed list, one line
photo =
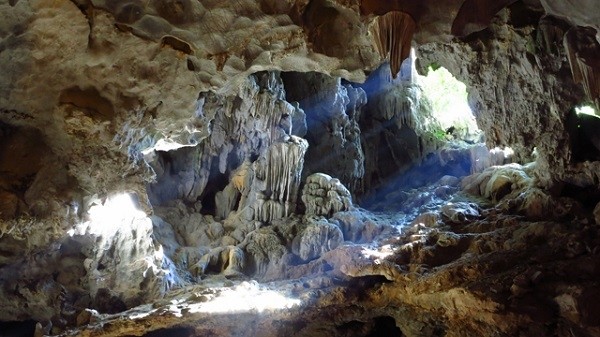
[(416, 129), (450, 110), (583, 123)]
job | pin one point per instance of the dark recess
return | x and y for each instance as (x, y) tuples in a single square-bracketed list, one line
[(17, 329)]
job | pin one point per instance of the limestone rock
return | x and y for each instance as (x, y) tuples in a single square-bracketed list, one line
[(582, 15), (357, 226), (535, 72), (278, 180), (460, 212), (229, 260), (498, 181), (393, 33), (125, 262), (265, 250), (597, 214), (319, 236), (324, 195), (581, 47), (183, 105), (332, 111)]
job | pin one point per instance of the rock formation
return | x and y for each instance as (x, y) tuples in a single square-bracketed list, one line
[(268, 168)]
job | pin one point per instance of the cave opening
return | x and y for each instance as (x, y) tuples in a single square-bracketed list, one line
[(583, 123), (416, 129), (450, 110)]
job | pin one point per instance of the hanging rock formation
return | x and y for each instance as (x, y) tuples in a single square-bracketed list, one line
[(278, 180), (393, 37)]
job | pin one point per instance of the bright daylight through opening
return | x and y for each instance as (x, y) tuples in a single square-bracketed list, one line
[(115, 212), (586, 109), (449, 104)]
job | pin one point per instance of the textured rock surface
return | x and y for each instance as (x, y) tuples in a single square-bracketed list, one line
[(332, 113), (517, 276), (531, 83), (324, 195)]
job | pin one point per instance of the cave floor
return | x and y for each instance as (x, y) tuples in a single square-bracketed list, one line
[(456, 266)]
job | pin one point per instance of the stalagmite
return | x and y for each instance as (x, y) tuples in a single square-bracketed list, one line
[(393, 33), (324, 195)]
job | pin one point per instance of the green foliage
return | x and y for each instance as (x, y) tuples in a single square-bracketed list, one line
[(434, 66), (443, 90), (439, 134), (447, 99)]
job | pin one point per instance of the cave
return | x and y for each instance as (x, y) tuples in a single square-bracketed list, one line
[(299, 168)]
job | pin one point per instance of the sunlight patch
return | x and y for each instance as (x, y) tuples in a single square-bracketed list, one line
[(506, 152), (379, 254), (116, 212), (245, 297)]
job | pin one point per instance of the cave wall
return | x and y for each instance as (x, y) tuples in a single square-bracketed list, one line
[(533, 90), (333, 111)]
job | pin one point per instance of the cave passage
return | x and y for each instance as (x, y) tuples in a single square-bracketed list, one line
[(416, 130)]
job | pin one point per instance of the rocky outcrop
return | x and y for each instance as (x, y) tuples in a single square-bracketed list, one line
[(332, 113), (249, 163), (325, 196), (527, 78), (464, 269)]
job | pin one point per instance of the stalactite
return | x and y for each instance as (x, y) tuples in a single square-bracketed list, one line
[(284, 162), (582, 50), (399, 103), (393, 34)]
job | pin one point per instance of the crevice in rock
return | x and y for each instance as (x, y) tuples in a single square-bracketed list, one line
[(18, 328), (172, 332), (378, 326), (89, 100), (22, 155), (177, 44)]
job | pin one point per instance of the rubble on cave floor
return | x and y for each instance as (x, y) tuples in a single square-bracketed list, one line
[(459, 256)]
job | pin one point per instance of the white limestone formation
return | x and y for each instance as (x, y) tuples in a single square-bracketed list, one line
[(323, 195)]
